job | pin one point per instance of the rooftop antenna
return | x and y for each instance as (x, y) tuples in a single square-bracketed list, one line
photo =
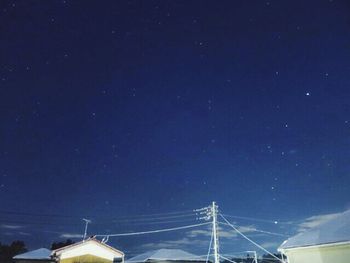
[(87, 221)]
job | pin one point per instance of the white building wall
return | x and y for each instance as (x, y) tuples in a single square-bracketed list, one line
[(90, 248), (327, 254)]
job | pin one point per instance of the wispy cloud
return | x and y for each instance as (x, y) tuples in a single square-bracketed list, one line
[(11, 226), (24, 234), (71, 235), (271, 245), (315, 221), (223, 233), (179, 243), (199, 238)]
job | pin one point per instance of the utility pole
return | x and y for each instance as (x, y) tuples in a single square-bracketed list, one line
[(87, 221), (211, 212), (214, 210)]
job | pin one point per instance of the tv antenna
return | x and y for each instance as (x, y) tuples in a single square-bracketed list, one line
[(87, 221)]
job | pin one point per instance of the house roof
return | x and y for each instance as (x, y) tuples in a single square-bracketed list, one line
[(91, 240), (336, 230), (38, 254), (166, 254)]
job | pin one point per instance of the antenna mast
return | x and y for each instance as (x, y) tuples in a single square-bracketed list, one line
[(87, 221)]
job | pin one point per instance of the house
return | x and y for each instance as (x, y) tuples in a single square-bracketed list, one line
[(90, 250), (87, 251), (166, 256), (41, 255), (326, 243)]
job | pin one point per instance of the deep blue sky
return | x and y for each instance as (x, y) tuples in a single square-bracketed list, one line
[(111, 109)]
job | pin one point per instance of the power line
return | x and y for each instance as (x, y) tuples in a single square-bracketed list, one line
[(153, 231), (160, 222), (232, 254), (160, 214), (31, 218), (248, 254), (153, 218), (228, 259), (260, 231), (256, 219), (60, 223), (146, 216), (247, 238), (211, 240)]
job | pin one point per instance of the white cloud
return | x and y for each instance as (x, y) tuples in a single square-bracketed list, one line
[(315, 221), (71, 235), (223, 233), (271, 245), (179, 243), (11, 226), (196, 233), (199, 238)]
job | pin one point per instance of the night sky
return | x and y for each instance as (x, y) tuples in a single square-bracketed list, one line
[(114, 109)]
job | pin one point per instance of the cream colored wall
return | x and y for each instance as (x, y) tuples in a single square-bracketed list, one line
[(90, 248), (327, 254), (85, 259)]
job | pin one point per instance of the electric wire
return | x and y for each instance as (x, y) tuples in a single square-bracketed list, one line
[(146, 216), (37, 223), (153, 218), (158, 222), (211, 240), (256, 219), (250, 240), (260, 231), (234, 254), (72, 221), (153, 231), (227, 259)]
